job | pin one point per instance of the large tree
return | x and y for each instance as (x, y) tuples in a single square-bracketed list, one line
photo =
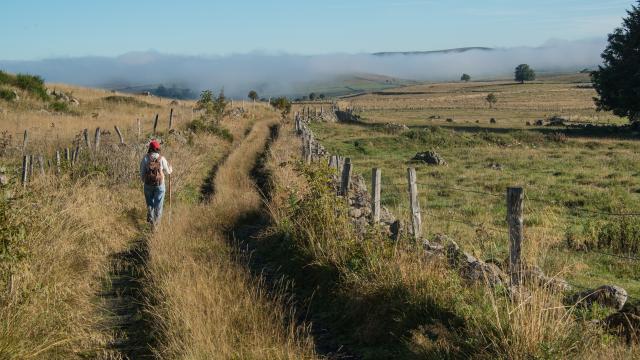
[(465, 77), (253, 95), (524, 73), (617, 80)]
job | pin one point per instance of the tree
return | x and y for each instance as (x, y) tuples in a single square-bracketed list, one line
[(283, 105), (491, 99), (312, 96), (214, 107), (617, 80), (524, 73), (321, 96), (465, 77), (253, 95)]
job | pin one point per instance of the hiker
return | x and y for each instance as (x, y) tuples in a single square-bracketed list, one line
[(152, 169)]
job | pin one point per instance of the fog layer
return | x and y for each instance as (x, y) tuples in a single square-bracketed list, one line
[(276, 74)]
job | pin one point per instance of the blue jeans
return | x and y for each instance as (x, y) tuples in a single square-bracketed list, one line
[(154, 196)]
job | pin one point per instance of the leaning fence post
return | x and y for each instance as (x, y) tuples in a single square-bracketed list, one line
[(376, 176), (515, 198), (171, 119), (25, 169), (346, 177), (155, 124), (25, 140), (85, 134), (58, 162), (96, 140), (119, 134), (416, 220)]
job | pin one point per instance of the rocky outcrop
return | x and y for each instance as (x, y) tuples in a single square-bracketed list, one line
[(430, 157), (610, 296), (393, 128), (470, 268)]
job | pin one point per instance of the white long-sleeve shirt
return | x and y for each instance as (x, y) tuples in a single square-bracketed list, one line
[(164, 166)]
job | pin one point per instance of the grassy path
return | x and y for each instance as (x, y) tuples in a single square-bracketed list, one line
[(211, 307)]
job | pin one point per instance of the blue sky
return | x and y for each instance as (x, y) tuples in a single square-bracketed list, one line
[(62, 28)]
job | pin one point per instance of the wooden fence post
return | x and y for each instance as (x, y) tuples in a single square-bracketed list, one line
[(31, 162), (58, 162), (96, 140), (85, 134), (155, 124), (41, 163), (119, 134), (376, 178), (333, 162), (139, 129), (346, 177), (515, 198), (171, 119), (308, 155), (25, 140), (25, 170), (416, 219)]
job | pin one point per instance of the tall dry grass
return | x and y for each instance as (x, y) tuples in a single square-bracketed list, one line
[(395, 291), (207, 304)]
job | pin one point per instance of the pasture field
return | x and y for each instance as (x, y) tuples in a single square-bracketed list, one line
[(574, 178)]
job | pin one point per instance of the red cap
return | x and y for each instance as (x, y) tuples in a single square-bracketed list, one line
[(154, 145)]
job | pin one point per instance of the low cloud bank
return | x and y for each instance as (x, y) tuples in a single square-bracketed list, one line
[(283, 73)]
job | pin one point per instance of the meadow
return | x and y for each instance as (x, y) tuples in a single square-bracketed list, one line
[(574, 177), (256, 257)]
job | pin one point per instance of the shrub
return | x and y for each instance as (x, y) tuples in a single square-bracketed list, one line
[(200, 125), (33, 84), (7, 95), (59, 106), (5, 79)]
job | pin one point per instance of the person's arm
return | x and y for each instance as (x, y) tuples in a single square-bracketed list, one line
[(165, 165)]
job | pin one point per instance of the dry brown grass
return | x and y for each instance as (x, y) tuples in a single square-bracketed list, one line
[(533, 324), (210, 307)]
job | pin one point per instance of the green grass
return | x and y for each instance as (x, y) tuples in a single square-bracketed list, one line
[(562, 170)]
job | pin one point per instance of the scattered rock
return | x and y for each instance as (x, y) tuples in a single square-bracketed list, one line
[(556, 121), (473, 269), (607, 295), (394, 128), (434, 117), (74, 102), (535, 274), (625, 323), (539, 122), (528, 123), (492, 120), (4, 180), (495, 166), (450, 120), (430, 157)]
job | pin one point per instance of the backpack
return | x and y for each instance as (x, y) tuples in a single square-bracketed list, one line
[(153, 172)]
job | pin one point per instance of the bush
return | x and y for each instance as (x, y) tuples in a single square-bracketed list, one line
[(5, 79), (33, 84), (7, 95), (58, 106), (199, 125)]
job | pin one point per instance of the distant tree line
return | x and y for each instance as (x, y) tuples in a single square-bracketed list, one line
[(173, 92)]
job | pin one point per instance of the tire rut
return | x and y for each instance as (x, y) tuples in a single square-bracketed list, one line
[(247, 232), (124, 300)]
